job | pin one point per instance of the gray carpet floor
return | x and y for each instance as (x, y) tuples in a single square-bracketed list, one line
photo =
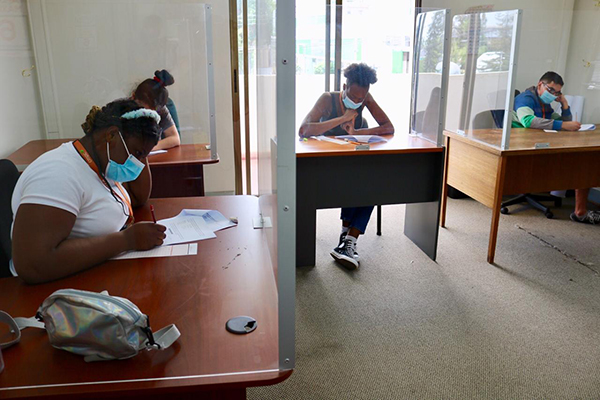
[(406, 327)]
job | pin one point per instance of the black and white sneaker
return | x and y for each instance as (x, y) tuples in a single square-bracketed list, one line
[(341, 244), (344, 254), (590, 217)]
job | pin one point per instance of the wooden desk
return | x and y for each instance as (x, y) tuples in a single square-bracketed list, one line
[(406, 169), (177, 173), (231, 275), (478, 167)]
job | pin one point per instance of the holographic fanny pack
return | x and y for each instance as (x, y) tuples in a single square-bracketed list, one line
[(95, 325)]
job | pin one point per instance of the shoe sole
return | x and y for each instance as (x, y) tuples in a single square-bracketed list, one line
[(346, 262)]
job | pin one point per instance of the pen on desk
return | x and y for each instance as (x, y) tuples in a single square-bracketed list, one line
[(353, 142), (152, 212)]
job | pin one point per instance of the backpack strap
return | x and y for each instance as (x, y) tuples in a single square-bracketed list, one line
[(16, 325)]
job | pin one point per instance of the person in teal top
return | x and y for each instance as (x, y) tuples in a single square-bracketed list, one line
[(533, 110), (153, 94)]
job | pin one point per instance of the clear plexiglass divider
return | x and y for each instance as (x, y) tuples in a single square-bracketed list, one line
[(84, 61), (482, 68), (431, 47), (275, 96)]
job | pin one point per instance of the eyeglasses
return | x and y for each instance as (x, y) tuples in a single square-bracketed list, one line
[(551, 90)]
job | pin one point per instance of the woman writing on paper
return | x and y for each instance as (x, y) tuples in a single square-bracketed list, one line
[(153, 94), (340, 113), (73, 205)]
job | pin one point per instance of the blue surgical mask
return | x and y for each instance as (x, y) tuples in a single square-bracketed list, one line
[(547, 98), (349, 103), (126, 172)]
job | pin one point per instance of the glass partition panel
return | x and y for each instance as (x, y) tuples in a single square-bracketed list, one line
[(430, 73), (387, 49), (90, 53), (275, 94), (480, 92)]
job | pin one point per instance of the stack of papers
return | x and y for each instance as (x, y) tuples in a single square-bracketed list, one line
[(189, 226), (193, 225), (363, 138)]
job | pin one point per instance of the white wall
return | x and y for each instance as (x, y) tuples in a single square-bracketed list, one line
[(546, 27), (584, 47), (20, 108)]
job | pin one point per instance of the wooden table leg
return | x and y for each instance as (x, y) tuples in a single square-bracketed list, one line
[(444, 198), (496, 209)]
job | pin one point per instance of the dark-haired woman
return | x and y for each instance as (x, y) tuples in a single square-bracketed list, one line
[(340, 113), (153, 94), (73, 205)]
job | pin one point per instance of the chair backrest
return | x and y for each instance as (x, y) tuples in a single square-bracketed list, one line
[(498, 115), (9, 174), (173, 111)]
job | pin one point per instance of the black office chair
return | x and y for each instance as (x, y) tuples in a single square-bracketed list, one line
[(533, 199), (8, 179)]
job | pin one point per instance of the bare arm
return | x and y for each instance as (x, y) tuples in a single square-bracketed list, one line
[(41, 251), (139, 190), (322, 108), (385, 125), (171, 139)]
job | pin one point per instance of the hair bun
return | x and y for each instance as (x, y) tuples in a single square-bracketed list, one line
[(88, 125), (165, 77)]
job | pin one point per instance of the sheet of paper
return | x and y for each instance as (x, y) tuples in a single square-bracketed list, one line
[(162, 251), (324, 138), (550, 130), (587, 127), (214, 220), (186, 228), (156, 152), (363, 138)]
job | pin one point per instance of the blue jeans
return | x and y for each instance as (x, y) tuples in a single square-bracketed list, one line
[(357, 216)]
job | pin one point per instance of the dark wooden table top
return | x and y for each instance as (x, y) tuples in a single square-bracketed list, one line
[(232, 275), (398, 143), (184, 154)]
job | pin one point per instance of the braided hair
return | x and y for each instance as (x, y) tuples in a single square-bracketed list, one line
[(144, 128), (154, 91)]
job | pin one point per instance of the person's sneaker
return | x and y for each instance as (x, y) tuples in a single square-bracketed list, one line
[(344, 254), (590, 217), (341, 244)]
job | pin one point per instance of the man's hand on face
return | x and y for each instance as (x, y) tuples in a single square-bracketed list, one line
[(563, 101)]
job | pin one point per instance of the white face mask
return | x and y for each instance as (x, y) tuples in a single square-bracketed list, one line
[(349, 103)]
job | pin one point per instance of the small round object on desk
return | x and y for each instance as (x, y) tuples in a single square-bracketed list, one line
[(241, 325)]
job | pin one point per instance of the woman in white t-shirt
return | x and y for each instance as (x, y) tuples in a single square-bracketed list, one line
[(73, 206)]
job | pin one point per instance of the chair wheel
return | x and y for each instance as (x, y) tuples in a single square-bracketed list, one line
[(504, 210), (549, 214)]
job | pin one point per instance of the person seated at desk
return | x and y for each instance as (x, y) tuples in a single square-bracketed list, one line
[(73, 205), (153, 94), (340, 113), (532, 110)]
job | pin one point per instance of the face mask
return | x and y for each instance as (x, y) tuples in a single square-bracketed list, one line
[(349, 103), (547, 98), (126, 172)]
